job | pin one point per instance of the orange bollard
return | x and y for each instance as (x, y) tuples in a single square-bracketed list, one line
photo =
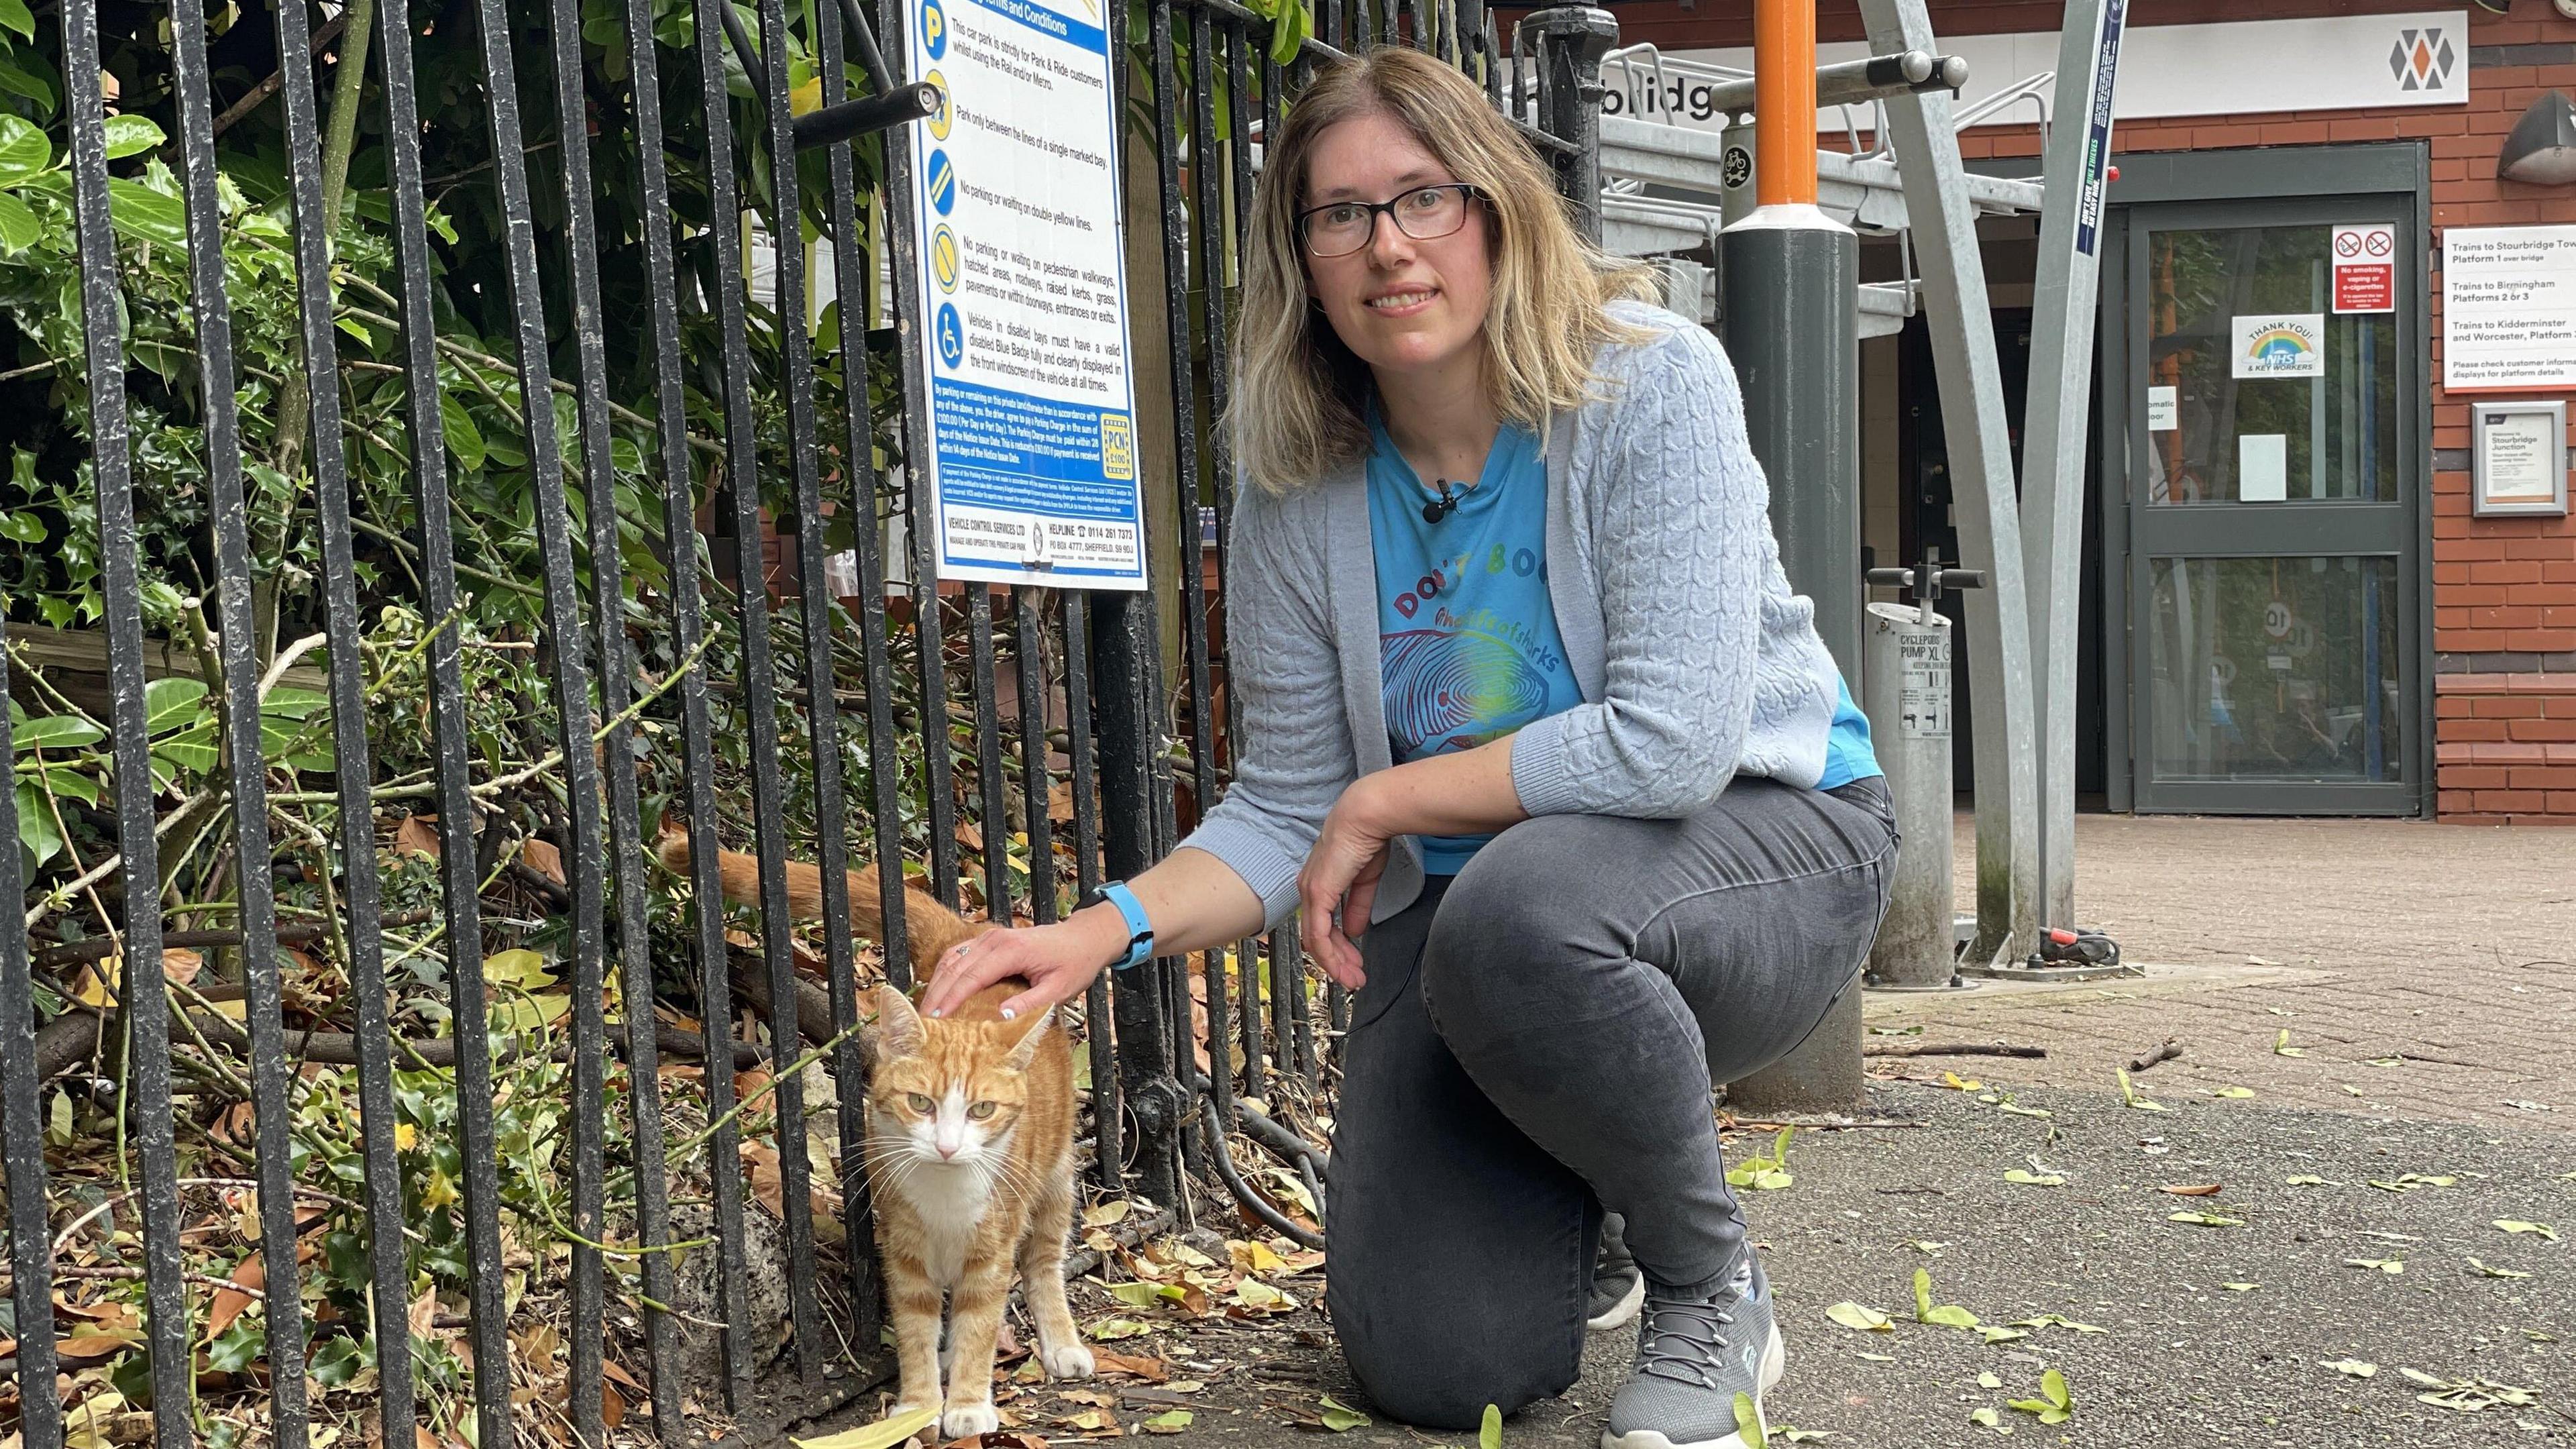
[(1784, 102)]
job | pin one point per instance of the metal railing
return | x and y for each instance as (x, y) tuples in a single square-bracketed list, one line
[(1073, 713)]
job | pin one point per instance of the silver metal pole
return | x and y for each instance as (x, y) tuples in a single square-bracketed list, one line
[(1944, 228), (2063, 312)]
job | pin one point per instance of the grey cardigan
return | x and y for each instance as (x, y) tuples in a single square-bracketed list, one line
[(1695, 660)]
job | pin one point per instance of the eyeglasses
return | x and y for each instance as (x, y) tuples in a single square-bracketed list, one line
[(1426, 213)]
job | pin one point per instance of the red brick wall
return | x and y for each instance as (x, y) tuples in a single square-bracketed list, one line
[(2504, 590)]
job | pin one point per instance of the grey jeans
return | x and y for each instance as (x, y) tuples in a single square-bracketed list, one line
[(1535, 1044)]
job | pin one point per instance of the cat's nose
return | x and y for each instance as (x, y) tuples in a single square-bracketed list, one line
[(945, 1151)]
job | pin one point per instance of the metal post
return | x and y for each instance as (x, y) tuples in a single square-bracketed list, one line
[(1571, 41), (2063, 310), (1942, 222), (1792, 325)]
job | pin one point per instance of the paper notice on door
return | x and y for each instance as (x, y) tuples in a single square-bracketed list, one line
[(2163, 411), (2263, 468)]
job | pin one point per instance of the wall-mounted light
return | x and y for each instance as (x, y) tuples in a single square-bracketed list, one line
[(2542, 148)]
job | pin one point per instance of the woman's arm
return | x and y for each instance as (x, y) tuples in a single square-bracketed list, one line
[(1468, 793), (1195, 901), (1682, 547), (1237, 872)]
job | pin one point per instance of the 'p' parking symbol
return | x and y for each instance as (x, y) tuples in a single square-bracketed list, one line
[(934, 29)]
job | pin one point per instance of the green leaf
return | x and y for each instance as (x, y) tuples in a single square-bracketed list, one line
[(1341, 1418), (129, 135), (170, 703), (19, 230), (23, 527), (2233, 1092), (2034, 1179), (1172, 1422), (237, 1347), (2052, 1386), (1951, 1315), (1922, 1293), (1986, 1418), (2206, 1220), (58, 732), (463, 438), (1995, 1335), (1864, 1319), (145, 215), (2309, 1179), (36, 830), (287, 701), (71, 784), (24, 151), (2240, 1287), (1134, 1295), (191, 751), (2057, 1320), (1294, 25), (1748, 1422), (1489, 1434), (2485, 1271), (2516, 1225), (14, 15)]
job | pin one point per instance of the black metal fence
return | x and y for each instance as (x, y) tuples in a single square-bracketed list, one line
[(1080, 739)]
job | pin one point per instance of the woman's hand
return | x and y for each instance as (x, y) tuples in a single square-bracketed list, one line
[(1339, 884), (1059, 962)]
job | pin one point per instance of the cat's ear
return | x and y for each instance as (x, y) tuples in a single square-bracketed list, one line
[(899, 1031), (1026, 1050)]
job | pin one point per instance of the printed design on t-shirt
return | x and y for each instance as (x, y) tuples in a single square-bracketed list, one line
[(1462, 682)]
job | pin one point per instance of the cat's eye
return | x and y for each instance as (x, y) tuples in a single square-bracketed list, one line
[(919, 1103), (980, 1111)]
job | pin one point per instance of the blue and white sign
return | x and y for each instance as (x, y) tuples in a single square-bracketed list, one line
[(1023, 288)]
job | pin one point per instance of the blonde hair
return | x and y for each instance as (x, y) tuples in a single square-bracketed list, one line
[(1299, 393)]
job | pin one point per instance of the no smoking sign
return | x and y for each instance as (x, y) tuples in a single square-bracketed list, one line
[(2365, 268)]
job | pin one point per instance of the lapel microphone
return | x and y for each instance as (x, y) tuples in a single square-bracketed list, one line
[(1441, 507)]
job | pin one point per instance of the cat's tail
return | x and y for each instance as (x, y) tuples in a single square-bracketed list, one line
[(929, 927)]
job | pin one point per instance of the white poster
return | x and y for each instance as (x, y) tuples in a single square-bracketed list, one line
[(2286, 344), (2509, 307), (1033, 470), (2262, 468), (2164, 412), (2518, 455)]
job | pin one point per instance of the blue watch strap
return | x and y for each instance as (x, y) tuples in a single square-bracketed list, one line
[(1140, 928)]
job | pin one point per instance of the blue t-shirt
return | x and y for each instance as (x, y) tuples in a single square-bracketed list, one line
[(1467, 641), (1848, 755)]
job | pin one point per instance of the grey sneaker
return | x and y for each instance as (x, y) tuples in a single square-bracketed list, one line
[(1617, 1285), (1694, 1356)]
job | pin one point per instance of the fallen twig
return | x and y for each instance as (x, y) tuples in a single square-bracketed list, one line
[(1949, 1049), (2169, 1051)]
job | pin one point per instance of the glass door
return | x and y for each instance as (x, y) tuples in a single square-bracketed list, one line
[(2272, 487)]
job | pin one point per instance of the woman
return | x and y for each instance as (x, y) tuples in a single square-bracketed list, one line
[(1532, 717)]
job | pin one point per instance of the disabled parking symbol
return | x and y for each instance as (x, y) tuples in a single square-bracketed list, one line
[(940, 180), (950, 335)]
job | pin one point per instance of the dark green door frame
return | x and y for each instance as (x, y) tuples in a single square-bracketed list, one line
[(2277, 186)]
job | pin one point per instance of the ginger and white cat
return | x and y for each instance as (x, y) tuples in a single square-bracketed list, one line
[(929, 927), (969, 1156), (970, 1165)]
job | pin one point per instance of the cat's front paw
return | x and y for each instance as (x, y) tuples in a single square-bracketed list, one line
[(1068, 1361), (905, 1407), (968, 1420)]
